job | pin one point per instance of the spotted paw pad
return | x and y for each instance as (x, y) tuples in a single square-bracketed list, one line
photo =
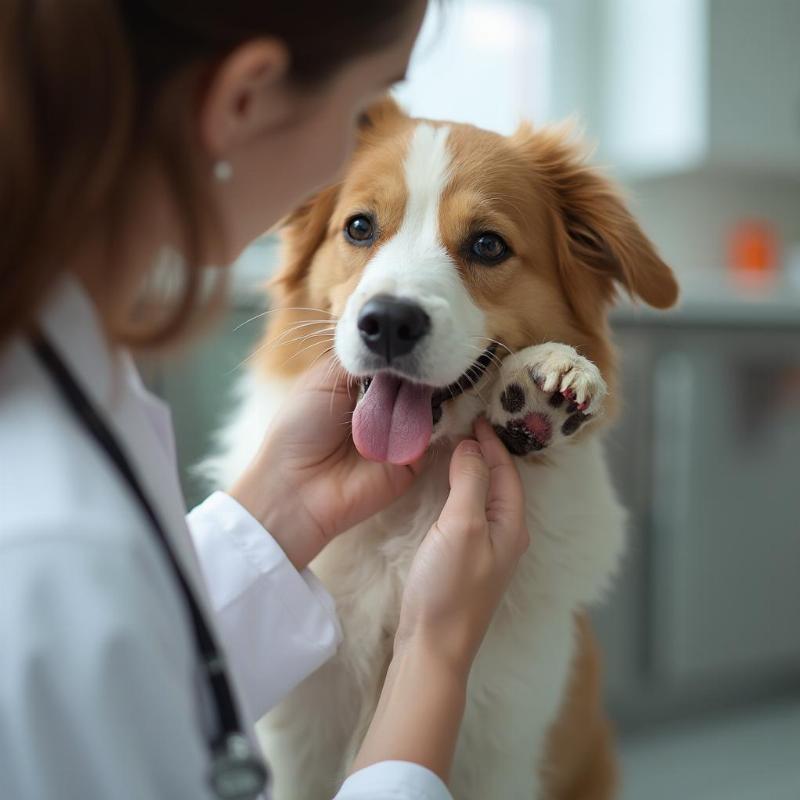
[(546, 394)]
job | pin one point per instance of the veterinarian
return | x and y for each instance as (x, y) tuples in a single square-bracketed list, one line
[(136, 651)]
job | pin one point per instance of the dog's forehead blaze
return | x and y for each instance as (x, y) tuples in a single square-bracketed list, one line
[(378, 183)]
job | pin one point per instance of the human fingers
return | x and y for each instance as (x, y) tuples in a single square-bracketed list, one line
[(465, 508), (505, 505)]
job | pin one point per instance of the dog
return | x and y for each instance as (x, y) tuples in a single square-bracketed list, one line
[(456, 272)]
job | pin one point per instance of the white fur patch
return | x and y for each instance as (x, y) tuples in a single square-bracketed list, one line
[(236, 444), (415, 265)]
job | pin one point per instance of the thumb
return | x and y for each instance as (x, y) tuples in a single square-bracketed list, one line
[(505, 504), (469, 486)]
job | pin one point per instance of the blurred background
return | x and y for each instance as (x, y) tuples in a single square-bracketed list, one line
[(694, 106)]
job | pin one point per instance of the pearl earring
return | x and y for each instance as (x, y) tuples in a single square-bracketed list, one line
[(223, 171)]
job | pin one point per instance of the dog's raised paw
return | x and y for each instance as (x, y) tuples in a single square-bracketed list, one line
[(543, 395)]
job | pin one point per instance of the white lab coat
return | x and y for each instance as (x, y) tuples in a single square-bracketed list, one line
[(100, 696)]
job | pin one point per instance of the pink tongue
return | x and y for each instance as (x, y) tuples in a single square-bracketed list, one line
[(393, 422)]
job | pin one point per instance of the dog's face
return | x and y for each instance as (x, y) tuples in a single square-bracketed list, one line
[(446, 247)]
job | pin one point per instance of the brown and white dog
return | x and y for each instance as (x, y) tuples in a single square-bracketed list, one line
[(454, 272)]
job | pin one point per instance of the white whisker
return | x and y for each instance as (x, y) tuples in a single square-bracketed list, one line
[(494, 341), (275, 345), (276, 310), (305, 350), (329, 370), (326, 331), (282, 341), (333, 395), (294, 328), (493, 359), (335, 358)]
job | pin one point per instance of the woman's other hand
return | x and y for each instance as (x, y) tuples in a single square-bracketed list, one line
[(457, 580), (308, 483), (466, 561)]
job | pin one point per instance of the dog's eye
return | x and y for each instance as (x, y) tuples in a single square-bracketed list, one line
[(359, 230), (490, 248)]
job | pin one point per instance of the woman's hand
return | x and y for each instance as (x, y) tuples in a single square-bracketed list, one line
[(465, 563), (308, 483), (456, 582)]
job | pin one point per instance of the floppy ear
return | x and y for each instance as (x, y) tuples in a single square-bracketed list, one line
[(384, 112), (302, 232), (597, 238)]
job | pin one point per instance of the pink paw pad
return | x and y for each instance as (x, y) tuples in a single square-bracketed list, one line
[(539, 427)]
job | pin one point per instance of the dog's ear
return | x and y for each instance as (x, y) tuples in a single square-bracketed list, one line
[(302, 232), (383, 113), (598, 243)]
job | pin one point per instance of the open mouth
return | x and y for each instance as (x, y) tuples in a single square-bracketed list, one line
[(394, 419)]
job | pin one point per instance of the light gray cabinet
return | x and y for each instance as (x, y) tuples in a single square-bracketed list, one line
[(707, 456), (726, 525)]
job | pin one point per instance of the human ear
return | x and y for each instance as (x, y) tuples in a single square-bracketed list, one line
[(245, 96)]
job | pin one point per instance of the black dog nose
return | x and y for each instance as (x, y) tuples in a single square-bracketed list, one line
[(391, 327)]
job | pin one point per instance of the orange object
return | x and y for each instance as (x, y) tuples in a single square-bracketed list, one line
[(753, 250)]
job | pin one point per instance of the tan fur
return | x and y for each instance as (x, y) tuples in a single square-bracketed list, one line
[(580, 759), (574, 244)]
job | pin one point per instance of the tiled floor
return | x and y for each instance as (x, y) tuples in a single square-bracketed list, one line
[(746, 756)]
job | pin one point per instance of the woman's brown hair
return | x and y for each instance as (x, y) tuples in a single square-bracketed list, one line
[(79, 83)]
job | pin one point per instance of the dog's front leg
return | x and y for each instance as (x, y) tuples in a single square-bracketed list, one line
[(543, 396), (515, 690)]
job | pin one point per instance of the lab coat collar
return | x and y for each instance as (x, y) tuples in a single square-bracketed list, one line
[(73, 326)]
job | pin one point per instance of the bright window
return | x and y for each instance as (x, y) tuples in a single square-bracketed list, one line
[(486, 62)]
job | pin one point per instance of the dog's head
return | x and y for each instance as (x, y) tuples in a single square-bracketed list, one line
[(444, 248)]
